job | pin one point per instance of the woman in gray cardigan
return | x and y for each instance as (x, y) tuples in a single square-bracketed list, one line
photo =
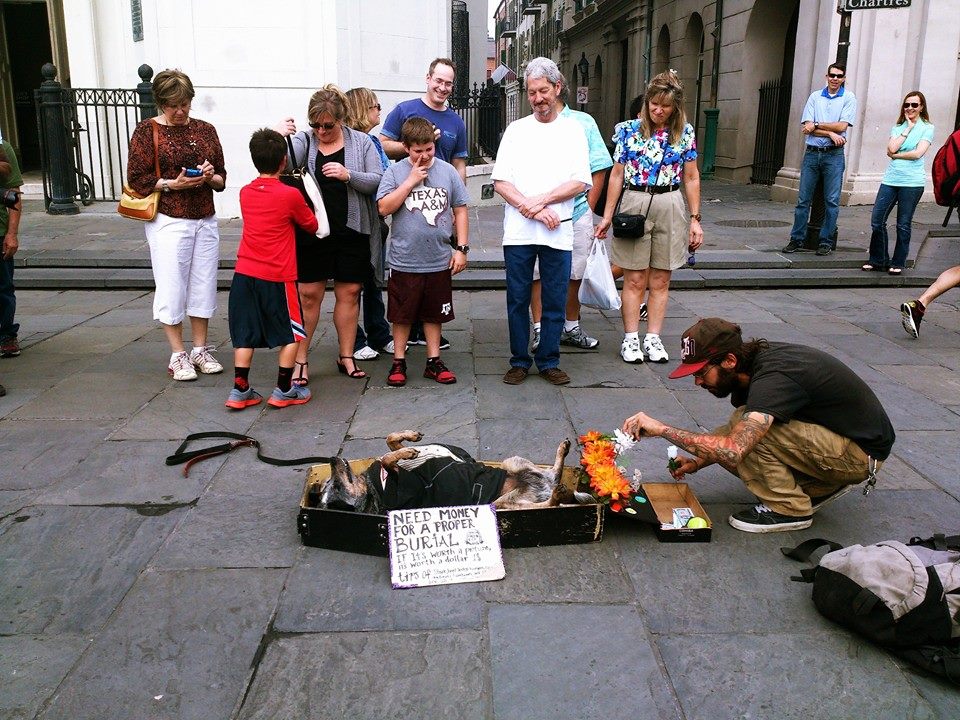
[(347, 168)]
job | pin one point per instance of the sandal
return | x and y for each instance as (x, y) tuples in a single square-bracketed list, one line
[(301, 380), (868, 267), (355, 373), (895, 271)]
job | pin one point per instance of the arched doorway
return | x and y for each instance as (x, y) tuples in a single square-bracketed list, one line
[(691, 65), (663, 51)]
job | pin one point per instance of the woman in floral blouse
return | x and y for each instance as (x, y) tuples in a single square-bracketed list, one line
[(655, 156), (184, 240)]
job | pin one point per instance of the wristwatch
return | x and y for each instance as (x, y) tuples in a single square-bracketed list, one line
[(463, 248), (816, 126), (695, 216), (165, 185)]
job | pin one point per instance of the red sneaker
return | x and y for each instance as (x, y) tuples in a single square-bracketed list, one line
[(398, 373), (436, 370)]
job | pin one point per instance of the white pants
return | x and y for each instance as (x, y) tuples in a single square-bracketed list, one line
[(185, 255)]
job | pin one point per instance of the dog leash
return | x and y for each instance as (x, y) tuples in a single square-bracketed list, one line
[(188, 458)]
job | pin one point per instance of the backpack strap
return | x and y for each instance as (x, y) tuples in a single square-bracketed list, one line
[(802, 553), (939, 541), (185, 457)]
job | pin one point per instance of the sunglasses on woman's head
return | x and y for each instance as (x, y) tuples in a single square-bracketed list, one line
[(325, 126), (911, 105)]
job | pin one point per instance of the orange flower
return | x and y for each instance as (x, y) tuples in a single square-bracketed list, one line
[(591, 436)]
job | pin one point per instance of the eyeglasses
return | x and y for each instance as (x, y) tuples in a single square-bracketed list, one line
[(377, 106), (325, 126), (835, 76), (911, 105), (701, 373)]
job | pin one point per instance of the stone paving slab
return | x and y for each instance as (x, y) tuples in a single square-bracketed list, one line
[(89, 559), (180, 646), (372, 676), (31, 667)]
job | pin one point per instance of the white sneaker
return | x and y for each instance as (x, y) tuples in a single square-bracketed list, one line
[(630, 351), (536, 340), (653, 348), (180, 367), (366, 353), (205, 362)]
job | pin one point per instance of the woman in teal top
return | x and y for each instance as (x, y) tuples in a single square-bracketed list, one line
[(902, 184)]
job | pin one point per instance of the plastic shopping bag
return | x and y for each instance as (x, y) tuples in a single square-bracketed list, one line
[(597, 288)]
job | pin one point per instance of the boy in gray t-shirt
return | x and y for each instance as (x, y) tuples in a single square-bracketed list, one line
[(428, 202)]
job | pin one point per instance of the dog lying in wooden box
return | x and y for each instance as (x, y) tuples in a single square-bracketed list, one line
[(437, 475)]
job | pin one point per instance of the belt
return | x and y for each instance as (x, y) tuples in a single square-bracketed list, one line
[(823, 148), (654, 189)]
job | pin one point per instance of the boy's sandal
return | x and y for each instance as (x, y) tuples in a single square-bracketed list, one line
[(301, 379), (895, 271)]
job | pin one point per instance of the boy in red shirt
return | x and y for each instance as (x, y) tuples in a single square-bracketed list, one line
[(264, 306)]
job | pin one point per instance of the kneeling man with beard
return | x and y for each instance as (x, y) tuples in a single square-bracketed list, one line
[(805, 430)]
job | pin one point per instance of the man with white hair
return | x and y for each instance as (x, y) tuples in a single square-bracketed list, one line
[(543, 163)]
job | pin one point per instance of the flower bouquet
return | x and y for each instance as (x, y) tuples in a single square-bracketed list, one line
[(600, 475)]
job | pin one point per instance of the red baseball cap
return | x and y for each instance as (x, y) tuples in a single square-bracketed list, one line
[(704, 341)]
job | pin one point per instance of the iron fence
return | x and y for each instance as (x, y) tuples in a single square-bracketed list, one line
[(482, 111), (773, 119)]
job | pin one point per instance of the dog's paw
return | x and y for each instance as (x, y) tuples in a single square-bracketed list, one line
[(564, 448)]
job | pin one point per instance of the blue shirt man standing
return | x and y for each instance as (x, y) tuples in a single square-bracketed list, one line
[(826, 117)]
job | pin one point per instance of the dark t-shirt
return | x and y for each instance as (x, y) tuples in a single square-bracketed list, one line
[(334, 193), (799, 382)]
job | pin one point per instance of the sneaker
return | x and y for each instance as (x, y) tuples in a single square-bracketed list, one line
[(388, 348), (761, 519), (9, 347), (3, 391), (536, 340), (516, 375), (912, 312), (444, 343), (791, 247), (630, 351), (578, 338), (555, 376), (180, 367), (824, 249), (240, 399), (436, 370), (643, 312), (296, 395), (653, 349), (366, 353), (205, 362), (417, 339), (398, 373)]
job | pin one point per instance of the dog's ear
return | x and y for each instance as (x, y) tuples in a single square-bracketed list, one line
[(340, 469)]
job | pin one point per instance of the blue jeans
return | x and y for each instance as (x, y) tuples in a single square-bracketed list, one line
[(378, 332), (828, 164), (554, 278), (8, 301), (906, 199)]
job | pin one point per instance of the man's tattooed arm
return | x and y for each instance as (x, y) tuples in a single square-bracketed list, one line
[(727, 450)]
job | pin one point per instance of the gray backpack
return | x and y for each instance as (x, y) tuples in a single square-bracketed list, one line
[(904, 597)]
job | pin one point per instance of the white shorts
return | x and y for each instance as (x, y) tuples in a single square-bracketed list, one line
[(582, 242), (185, 256)]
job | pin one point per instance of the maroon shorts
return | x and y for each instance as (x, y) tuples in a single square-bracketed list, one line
[(427, 297)]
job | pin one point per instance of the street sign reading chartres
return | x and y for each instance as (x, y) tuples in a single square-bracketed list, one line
[(848, 5)]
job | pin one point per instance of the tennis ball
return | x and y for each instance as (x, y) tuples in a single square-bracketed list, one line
[(696, 523)]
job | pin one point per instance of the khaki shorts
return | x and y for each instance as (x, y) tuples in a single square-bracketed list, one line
[(582, 242), (666, 234)]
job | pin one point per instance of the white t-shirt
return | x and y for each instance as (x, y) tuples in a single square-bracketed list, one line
[(536, 157)]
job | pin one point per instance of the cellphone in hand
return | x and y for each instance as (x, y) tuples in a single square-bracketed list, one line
[(193, 172)]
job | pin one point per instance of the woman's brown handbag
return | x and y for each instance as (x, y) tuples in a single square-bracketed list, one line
[(142, 207)]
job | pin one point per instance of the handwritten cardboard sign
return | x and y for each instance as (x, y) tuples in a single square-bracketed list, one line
[(445, 545)]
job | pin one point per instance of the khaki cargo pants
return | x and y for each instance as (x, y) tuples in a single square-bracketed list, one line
[(797, 461)]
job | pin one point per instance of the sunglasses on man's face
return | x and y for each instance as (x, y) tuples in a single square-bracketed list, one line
[(325, 126), (911, 105), (835, 76)]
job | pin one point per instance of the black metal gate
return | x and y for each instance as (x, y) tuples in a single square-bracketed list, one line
[(84, 137), (483, 112), (773, 120)]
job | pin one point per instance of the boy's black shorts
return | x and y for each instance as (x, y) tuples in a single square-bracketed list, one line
[(264, 313)]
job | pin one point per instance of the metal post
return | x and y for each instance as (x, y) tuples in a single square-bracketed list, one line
[(145, 103), (56, 138), (712, 116)]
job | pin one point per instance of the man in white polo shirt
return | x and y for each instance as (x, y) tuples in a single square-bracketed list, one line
[(543, 163)]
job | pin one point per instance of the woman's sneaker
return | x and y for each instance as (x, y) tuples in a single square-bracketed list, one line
[(398, 373), (296, 395), (436, 370), (653, 349), (180, 367), (578, 338), (204, 362), (912, 313), (630, 351), (240, 399), (365, 353)]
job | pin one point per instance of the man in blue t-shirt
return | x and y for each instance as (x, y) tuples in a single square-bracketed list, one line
[(826, 117)]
